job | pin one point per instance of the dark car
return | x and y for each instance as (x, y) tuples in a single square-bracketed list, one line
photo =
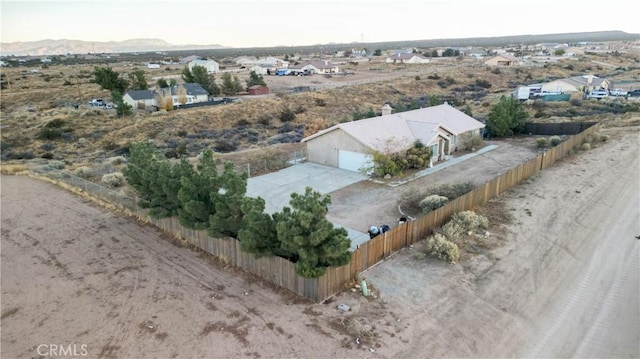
[(634, 93)]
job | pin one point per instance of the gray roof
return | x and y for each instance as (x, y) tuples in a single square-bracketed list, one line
[(193, 89), (404, 128), (140, 95)]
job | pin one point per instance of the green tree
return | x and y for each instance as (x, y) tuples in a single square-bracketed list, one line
[(303, 229), (377, 52), (138, 80), (197, 193), (227, 219), (155, 179), (507, 117), (559, 52), (230, 85), (162, 83), (198, 74), (468, 111), (434, 100), (255, 79), (122, 108), (258, 234), (110, 80)]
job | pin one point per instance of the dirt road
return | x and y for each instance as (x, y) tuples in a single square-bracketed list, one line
[(564, 284)]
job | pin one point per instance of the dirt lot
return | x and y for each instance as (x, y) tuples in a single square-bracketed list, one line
[(564, 283), (353, 208)]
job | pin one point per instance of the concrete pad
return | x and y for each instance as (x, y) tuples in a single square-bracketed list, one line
[(276, 188)]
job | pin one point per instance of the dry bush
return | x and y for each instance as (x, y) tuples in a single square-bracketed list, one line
[(359, 327), (113, 180), (440, 247), (464, 222), (11, 169), (432, 202)]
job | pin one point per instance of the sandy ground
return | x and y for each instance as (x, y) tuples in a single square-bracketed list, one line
[(563, 284), (363, 204)]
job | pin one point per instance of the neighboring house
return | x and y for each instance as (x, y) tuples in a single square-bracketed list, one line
[(195, 93), (502, 60), (140, 99), (316, 67), (406, 58), (583, 83), (350, 145), (263, 69), (211, 66), (258, 90), (271, 62), (153, 66)]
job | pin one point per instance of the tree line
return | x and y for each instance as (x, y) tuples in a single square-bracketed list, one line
[(202, 197)]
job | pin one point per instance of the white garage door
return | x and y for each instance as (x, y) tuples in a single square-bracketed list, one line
[(353, 161)]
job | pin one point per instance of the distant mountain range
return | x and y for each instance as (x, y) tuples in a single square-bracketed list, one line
[(63, 47)]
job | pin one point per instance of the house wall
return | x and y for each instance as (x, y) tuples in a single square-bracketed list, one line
[(135, 104), (559, 86), (324, 149), (200, 98)]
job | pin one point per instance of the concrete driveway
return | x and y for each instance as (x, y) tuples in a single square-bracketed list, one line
[(276, 188)]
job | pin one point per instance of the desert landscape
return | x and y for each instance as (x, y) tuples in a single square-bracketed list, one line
[(557, 276), (557, 286)]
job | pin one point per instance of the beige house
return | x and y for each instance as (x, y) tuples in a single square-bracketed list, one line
[(583, 83), (140, 99), (350, 145), (404, 58), (502, 60), (316, 67)]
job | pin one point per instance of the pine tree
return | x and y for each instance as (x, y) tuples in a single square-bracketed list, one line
[(255, 79), (507, 117), (195, 193), (227, 219), (304, 230), (155, 179), (258, 234)]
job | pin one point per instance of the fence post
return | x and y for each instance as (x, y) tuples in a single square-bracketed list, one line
[(248, 170)]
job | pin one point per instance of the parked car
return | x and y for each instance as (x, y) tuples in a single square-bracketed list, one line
[(598, 94), (98, 102), (618, 92), (634, 93)]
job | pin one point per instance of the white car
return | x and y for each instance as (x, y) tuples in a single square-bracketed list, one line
[(618, 92)]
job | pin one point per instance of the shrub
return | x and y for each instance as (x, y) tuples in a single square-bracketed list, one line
[(440, 247), (384, 165), (58, 165), (432, 202), (555, 140), (48, 146), (112, 180), (320, 102), (464, 222), (469, 142), (585, 146), (286, 115), (541, 142)]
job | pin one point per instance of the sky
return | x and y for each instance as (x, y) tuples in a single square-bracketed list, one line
[(265, 23)]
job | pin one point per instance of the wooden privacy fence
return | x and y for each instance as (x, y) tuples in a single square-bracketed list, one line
[(403, 235), (281, 272)]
